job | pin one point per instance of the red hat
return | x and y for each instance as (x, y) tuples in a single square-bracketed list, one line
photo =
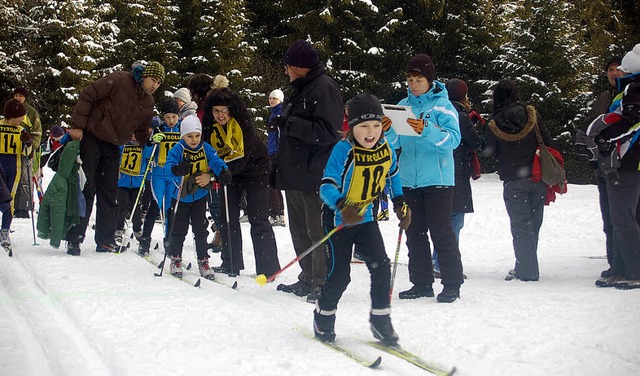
[(457, 89), (14, 109)]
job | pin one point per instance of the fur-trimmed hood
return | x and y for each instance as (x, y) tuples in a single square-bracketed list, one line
[(514, 122)]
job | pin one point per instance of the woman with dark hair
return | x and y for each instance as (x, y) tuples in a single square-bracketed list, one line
[(512, 141), (234, 137)]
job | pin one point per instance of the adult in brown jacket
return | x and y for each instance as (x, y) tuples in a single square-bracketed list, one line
[(108, 112)]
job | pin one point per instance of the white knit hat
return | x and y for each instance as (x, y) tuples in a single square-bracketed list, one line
[(278, 94), (190, 124), (183, 94), (631, 61)]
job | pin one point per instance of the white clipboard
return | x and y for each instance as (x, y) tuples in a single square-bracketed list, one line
[(399, 116)]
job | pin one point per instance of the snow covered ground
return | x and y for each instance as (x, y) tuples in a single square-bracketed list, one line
[(107, 314)]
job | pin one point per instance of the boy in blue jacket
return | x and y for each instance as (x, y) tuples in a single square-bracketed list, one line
[(134, 159), (196, 162), (162, 186), (355, 174)]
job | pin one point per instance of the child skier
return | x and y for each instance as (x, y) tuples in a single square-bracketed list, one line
[(195, 161), (134, 159), (163, 186), (16, 138), (354, 176)]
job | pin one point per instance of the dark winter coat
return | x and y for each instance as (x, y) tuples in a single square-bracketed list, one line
[(470, 142), (312, 119), (623, 129), (112, 108), (59, 207), (511, 139)]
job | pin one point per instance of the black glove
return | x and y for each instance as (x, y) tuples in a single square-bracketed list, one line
[(225, 177), (181, 169), (403, 213), (25, 137), (350, 214), (278, 121)]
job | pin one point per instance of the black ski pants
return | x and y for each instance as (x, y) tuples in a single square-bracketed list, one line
[(431, 213), (100, 163), (126, 201), (339, 249), (264, 242), (194, 213), (623, 204)]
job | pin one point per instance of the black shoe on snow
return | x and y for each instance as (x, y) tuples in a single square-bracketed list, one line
[(324, 324), (610, 281), (300, 288), (109, 247), (511, 275), (73, 249), (21, 214), (448, 295), (627, 284), (314, 295), (382, 329), (417, 292), (144, 245), (606, 273), (225, 270)]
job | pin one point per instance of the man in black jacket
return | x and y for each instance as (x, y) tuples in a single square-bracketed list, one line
[(309, 126)]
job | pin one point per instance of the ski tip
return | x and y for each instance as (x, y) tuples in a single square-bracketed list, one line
[(261, 279), (188, 266), (376, 362), (157, 274), (235, 285), (157, 246), (161, 265), (197, 284), (453, 371)]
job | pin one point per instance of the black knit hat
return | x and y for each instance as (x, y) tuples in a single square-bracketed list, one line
[(457, 89), (14, 109), (168, 106), (363, 107), (301, 54), (22, 91), (422, 63), (614, 60)]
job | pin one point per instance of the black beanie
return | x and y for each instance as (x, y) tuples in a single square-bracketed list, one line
[(363, 107), (614, 60), (14, 109), (457, 89), (422, 64), (169, 106), (301, 54)]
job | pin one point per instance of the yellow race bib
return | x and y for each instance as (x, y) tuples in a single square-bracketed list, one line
[(10, 140), (198, 160), (229, 142), (370, 169), (131, 160), (170, 140)]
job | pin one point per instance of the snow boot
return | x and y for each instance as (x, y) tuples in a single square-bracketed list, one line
[(300, 288), (323, 324), (277, 220), (380, 324), (610, 281), (73, 248), (205, 270), (144, 245), (176, 266), (627, 284), (111, 247), (448, 295), (4, 238), (417, 292)]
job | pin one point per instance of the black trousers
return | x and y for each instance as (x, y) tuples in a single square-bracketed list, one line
[(431, 212), (126, 200), (339, 249), (305, 224), (264, 243), (607, 227), (100, 163), (524, 201), (194, 213), (623, 203)]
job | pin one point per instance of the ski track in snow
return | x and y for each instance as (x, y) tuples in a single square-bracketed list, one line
[(107, 314)]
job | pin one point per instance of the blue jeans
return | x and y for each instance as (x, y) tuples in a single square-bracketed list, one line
[(457, 223)]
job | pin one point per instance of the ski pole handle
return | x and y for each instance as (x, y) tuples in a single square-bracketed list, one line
[(262, 279)]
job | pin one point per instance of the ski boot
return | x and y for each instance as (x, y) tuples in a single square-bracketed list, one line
[(176, 266), (205, 270), (381, 327), (6, 241), (144, 245), (324, 324), (119, 237)]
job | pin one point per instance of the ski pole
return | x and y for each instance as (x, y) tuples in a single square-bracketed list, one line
[(167, 243), (29, 167), (262, 279), (232, 273), (38, 189), (135, 204), (395, 264)]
